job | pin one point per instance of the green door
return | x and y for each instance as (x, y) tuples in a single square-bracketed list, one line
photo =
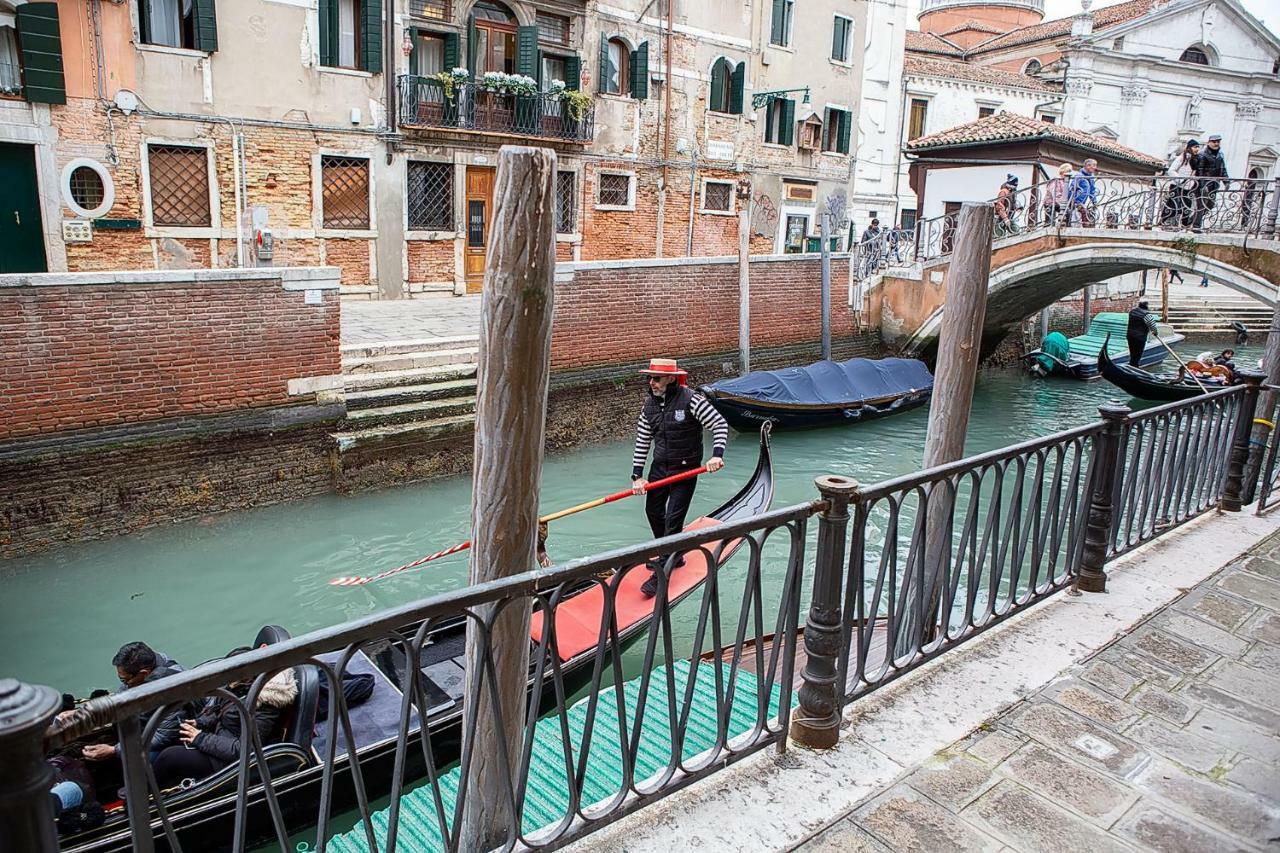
[(21, 232)]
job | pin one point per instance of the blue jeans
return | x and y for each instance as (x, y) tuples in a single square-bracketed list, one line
[(68, 793)]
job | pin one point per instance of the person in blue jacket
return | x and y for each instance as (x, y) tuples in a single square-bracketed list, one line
[(1082, 195)]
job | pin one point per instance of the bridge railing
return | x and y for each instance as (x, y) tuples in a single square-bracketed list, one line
[(1194, 205)]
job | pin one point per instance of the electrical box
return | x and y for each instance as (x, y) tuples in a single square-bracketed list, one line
[(264, 244), (77, 231)]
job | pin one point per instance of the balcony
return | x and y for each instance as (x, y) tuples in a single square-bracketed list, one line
[(423, 104)]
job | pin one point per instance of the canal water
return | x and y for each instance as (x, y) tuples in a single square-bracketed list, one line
[(195, 590)]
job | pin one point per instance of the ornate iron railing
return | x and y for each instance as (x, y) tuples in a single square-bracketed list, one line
[(1268, 485), (467, 106)]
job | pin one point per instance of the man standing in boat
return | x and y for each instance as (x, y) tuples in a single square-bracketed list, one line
[(1142, 322), (671, 423)]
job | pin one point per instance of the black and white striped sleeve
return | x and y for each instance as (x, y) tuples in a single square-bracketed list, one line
[(1150, 318), (712, 420), (644, 439)]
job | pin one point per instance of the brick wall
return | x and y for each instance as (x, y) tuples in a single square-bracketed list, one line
[(90, 350), (430, 261)]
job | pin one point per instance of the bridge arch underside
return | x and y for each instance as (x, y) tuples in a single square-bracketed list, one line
[(1023, 287)]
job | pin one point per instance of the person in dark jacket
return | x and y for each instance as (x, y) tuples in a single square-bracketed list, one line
[(1209, 166), (136, 664), (671, 423), (213, 739), (1142, 322)]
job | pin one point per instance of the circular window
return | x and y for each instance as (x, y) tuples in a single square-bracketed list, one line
[(87, 188)]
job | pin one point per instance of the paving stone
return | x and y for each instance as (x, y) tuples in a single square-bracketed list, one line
[(1237, 707), (1261, 779), (1268, 567), (1265, 626), (1092, 704), (1109, 677), (1078, 738), (1240, 736), (1246, 682), (1153, 700), (1201, 633), (1225, 611), (1159, 830), (1187, 749), (1231, 809), (904, 820), (954, 782), (1060, 780), (994, 747), (1257, 589), (844, 837), (1143, 667), (1174, 653), (1029, 822), (1264, 656)]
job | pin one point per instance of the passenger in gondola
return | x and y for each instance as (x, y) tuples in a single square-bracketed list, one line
[(1227, 359), (671, 423), (544, 559)]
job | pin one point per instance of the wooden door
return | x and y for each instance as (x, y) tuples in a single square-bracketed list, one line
[(479, 212), (21, 228)]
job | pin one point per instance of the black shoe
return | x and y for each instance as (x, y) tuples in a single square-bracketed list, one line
[(679, 561), (654, 563), (650, 587)]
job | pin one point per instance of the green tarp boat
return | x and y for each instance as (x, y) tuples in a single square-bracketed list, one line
[(1081, 360)]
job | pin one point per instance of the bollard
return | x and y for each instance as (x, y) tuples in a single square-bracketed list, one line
[(1097, 534), (816, 722), (1235, 488), (26, 812)]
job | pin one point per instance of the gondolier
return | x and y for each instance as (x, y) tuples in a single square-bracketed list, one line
[(1141, 323), (671, 423)]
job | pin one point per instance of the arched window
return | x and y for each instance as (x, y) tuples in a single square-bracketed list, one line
[(721, 86), (1196, 55), (617, 74), (495, 38), (1033, 68)]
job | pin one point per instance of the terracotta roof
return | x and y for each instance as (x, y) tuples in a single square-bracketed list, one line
[(1008, 127), (1060, 27), (919, 42), (975, 26), (953, 69)]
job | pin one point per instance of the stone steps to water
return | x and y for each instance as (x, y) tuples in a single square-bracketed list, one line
[(421, 412), (417, 431), (399, 395), (412, 345), (408, 360), (358, 382)]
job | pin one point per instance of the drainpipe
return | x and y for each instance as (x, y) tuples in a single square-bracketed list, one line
[(667, 85), (693, 180), (390, 44)]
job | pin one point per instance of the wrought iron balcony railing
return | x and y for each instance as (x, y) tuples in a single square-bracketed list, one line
[(424, 103)]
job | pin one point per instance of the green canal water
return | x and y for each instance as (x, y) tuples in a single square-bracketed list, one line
[(197, 589)]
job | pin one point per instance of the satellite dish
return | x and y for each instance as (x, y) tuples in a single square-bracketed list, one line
[(127, 101)]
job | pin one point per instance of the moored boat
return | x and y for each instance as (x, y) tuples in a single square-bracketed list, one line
[(1081, 358), (1148, 386), (825, 393)]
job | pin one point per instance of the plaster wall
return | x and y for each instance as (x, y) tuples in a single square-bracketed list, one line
[(968, 183), (879, 121)]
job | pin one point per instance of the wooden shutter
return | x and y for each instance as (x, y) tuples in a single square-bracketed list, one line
[(40, 46), (473, 44), (527, 51), (768, 122), (451, 53), (787, 130), (842, 142), (328, 32), (718, 82), (775, 30), (738, 88), (371, 35), (602, 79), (573, 72), (205, 22), (640, 71)]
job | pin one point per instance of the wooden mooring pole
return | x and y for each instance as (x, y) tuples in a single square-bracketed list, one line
[(744, 276), (514, 366)]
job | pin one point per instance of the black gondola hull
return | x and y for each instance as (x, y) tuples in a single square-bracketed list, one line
[(1143, 385)]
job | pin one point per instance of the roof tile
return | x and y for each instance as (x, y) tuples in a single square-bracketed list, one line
[(1055, 29), (952, 69)]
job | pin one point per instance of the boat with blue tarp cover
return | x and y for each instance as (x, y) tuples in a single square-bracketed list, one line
[(824, 393), (1079, 358)]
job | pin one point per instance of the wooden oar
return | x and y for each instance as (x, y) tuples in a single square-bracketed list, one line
[(1184, 367), (359, 580)]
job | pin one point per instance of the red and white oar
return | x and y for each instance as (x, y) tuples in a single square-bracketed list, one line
[(358, 580)]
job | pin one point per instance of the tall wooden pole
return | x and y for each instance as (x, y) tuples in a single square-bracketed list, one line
[(1087, 308), (1164, 295), (744, 281), (514, 366), (826, 286), (959, 350), (1262, 434)]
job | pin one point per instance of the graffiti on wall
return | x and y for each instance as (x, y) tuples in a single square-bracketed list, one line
[(764, 216)]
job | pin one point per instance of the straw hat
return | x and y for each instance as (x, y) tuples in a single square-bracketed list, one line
[(663, 367)]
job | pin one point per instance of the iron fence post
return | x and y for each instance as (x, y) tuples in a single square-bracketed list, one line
[(1235, 491), (26, 811), (1273, 209), (816, 722), (1105, 464)]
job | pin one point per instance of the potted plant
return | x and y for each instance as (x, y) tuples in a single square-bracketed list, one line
[(448, 80)]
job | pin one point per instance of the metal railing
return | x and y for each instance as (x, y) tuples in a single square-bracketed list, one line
[(903, 571), (424, 102), (1268, 485)]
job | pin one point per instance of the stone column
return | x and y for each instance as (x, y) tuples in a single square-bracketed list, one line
[(1133, 96), (1078, 86), (389, 185)]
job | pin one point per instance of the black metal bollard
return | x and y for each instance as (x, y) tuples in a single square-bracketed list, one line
[(1235, 491), (816, 723), (1097, 534), (26, 812)]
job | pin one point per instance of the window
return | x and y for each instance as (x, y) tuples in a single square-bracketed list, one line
[(614, 191), (566, 202), (87, 188), (1118, 44), (179, 182), (1195, 55), (616, 76), (780, 121), (350, 34), (553, 29), (840, 39), (721, 74), (780, 23), (919, 118), (553, 68), (436, 10), (430, 196), (835, 131), (1046, 117), (1032, 68), (717, 197), (428, 55), (178, 23), (983, 112), (494, 43), (908, 220), (344, 192), (10, 68)]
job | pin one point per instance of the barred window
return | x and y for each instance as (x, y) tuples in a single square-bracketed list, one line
[(87, 188), (430, 196), (439, 10), (566, 214), (615, 190), (179, 180), (344, 200), (553, 29), (717, 196)]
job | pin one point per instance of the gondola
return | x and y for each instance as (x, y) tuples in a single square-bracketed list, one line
[(202, 814), (1147, 386), (825, 393), (1079, 359)]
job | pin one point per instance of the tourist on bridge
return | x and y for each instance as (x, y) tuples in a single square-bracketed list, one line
[(1209, 165), (871, 247), (1082, 195), (1006, 207), (1142, 322), (671, 423), (1179, 201), (1054, 202)]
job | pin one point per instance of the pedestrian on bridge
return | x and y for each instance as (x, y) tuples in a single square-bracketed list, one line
[(1006, 207), (1054, 202), (1209, 165), (1179, 200), (1142, 322), (1082, 195)]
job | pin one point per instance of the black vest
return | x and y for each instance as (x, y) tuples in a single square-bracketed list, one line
[(1138, 323), (677, 435)]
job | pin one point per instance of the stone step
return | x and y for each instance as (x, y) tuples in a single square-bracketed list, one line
[(358, 292), (418, 431), (423, 412), (408, 361), (398, 395), (410, 345), (430, 291), (355, 382)]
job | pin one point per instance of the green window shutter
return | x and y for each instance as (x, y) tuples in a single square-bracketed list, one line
[(738, 88), (473, 44), (371, 35), (414, 37), (602, 82), (328, 32), (527, 51), (768, 122), (452, 59), (205, 22), (640, 71), (717, 84), (40, 46), (775, 29), (537, 64), (787, 133), (842, 145), (572, 72)]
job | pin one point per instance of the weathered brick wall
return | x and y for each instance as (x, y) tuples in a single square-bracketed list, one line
[(96, 351), (350, 256), (430, 261)]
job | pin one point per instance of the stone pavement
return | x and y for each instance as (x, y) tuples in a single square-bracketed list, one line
[(375, 321), (1167, 739)]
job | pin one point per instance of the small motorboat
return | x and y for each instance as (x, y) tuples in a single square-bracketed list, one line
[(825, 393), (1081, 358), (1148, 386)]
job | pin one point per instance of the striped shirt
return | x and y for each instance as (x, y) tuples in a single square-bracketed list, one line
[(703, 412)]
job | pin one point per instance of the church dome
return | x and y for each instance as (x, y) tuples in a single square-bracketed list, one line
[(939, 16)]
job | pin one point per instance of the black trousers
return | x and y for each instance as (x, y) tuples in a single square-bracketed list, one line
[(1136, 346), (668, 506), (175, 763)]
